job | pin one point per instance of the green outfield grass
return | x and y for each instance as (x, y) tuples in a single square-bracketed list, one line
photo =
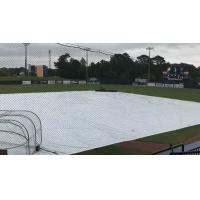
[(5, 89), (181, 94)]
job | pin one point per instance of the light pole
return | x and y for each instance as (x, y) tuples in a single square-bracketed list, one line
[(149, 69), (86, 67), (49, 59), (25, 63)]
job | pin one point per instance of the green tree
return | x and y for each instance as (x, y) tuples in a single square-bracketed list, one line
[(143, 59), (83, 62), (70, 68), (158, 60), (63, 66)]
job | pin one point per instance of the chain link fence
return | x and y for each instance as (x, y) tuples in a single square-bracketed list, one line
[(12, 55)]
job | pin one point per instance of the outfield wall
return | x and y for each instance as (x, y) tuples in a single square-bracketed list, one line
[(82, 82), (167, 85), (49, 82), (162, 85)]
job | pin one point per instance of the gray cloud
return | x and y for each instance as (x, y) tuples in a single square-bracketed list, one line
[(12, 54)]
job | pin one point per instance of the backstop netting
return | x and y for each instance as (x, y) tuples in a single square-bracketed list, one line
[(20, 132)]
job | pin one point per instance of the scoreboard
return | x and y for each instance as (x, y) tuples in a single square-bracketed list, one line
[(175, 73)]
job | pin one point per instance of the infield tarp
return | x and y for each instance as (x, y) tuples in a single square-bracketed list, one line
[(78, 121)]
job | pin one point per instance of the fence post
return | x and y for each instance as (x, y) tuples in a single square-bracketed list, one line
[(171, 148), (183, 148)]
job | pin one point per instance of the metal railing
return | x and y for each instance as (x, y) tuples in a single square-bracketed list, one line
[(195, 151), (186, 153), (171, 149)]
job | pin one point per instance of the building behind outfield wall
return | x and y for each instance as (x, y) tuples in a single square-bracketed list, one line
[(38, 70)]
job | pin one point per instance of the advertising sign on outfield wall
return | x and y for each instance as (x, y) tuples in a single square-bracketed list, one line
[(65, 82), (51, 82), (26, 82)]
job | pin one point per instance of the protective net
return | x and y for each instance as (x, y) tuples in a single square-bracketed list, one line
[(12, 54), (20, 132)]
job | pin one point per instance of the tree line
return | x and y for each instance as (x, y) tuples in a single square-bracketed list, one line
[(4, 71), (120, 67)]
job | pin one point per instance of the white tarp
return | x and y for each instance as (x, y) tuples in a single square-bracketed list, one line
[(78, 121)]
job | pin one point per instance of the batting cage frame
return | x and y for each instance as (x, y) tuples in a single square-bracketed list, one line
[(20, 132)]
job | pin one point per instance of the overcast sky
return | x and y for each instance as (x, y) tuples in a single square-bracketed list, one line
[(12, 54)]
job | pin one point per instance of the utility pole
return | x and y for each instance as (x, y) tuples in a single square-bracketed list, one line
[(25, 57), (149, 69), (49, 59), (86, 67)]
